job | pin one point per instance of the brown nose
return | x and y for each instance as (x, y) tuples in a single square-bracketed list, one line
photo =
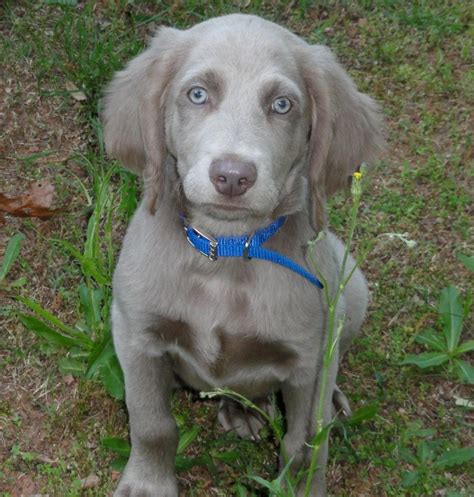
[(232, 177)]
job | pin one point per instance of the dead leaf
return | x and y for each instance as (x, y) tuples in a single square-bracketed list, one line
[(35, 202), (464, 402), (43, 458), (69, 379), (351, 31), (42, 193), (90, 482), (57, 302), (24, 485), (76, 94)]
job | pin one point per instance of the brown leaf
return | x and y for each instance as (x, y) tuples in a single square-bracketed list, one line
[(90, 482), (56, 303), (35, 202), (43, 458), (76, 94), (115, 475), (69, 379), (41, 193)]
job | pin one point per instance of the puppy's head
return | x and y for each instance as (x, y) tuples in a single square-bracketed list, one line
[(248, 111)]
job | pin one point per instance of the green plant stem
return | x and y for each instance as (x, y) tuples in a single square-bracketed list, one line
[(332, 340)]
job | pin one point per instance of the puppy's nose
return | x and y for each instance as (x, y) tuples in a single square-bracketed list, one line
[(232, 177)]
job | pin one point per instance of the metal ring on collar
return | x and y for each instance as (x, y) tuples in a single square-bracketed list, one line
[(245, 251)]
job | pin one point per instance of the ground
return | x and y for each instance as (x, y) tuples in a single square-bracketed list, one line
[(414, 58)]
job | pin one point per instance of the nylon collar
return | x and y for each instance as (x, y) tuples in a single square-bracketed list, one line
[(245, 246)]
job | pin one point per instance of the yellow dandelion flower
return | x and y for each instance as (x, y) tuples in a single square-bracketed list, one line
[(357, 175)]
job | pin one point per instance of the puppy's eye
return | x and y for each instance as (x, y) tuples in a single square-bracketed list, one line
[(281, 105), (198, 95)]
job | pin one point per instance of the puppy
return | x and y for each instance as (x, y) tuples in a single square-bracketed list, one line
[(241, 131)]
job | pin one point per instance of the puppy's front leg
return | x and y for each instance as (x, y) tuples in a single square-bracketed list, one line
[(301, 406), (153, 432)]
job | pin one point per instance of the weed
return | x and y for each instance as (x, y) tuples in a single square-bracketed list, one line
[(11, 254), (286, 483), (187, 435), (445, 347), (89, 341), (429, 456)]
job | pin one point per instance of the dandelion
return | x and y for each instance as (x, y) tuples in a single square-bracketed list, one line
[(356, 188)]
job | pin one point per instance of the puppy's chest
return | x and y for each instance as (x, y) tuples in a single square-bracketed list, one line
[(219, 354), (224, 330)]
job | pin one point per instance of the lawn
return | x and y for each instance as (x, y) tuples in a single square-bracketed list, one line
[(59, 418)]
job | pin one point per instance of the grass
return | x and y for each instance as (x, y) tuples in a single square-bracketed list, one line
[(414, 57)]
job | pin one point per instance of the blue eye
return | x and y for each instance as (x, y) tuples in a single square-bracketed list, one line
[(281, 105), (198, 95)]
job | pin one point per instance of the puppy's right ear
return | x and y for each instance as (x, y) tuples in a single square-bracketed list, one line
[(347, 128), (133, 112)]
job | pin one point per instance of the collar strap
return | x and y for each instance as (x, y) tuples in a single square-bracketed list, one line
[(247, 246)]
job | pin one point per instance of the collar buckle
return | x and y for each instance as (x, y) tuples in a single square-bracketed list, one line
[(212, 254)]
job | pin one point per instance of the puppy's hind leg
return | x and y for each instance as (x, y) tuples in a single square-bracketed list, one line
[(356, 298), (154, 438), (301, 405)]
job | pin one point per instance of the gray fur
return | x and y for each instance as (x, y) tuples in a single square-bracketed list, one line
[(248, 325)]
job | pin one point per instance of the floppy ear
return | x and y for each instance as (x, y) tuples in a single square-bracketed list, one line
[(133, 113), (347, 128)]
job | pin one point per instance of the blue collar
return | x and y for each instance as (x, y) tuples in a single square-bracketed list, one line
[(247, 247)]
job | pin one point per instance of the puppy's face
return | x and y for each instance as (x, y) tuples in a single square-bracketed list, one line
[(250, 112), (237, 121)]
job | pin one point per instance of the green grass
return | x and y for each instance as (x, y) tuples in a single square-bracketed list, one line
[(414, 57)]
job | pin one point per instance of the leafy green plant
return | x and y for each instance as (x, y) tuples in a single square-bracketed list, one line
[(121, 448), (11, 255), (334, 327), (284, 485), (89, 343), (428, 457), (468, 261), (278, 487), (445, 347), (90, 354)]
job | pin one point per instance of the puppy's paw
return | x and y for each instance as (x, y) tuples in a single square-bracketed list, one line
[(139, 488), (247, 423)]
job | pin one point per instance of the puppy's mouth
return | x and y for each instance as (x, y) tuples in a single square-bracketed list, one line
[(227, 211), (227, 207)]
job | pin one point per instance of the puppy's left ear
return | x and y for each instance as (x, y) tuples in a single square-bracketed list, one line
[(347, 127), (133, 110)]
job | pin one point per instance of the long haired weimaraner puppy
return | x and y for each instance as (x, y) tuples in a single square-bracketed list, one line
[(241, 131)]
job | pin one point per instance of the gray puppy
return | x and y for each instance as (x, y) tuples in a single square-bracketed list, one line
[(234, 124)]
